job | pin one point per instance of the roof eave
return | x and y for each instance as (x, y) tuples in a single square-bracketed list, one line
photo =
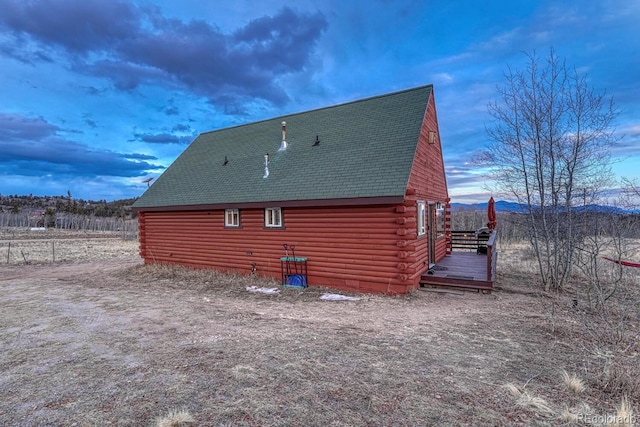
[(359, 201)]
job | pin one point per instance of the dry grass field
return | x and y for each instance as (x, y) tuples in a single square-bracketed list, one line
[(21, 246), (101, 340)]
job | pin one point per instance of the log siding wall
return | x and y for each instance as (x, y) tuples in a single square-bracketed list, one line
[(362, 249)]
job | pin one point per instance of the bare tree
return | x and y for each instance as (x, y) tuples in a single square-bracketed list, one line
[(630, 193), (550, 139)]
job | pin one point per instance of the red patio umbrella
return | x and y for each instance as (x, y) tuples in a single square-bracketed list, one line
[(491, 213)]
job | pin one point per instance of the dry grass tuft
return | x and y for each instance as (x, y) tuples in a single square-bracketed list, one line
[(569, 417), (572, 382), (529, 402), (535, 404), (513, 389), (244, 372), (176, 418), (624, 417)]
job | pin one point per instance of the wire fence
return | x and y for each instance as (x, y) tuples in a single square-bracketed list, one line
[(28, 238), (59, 246), (126, 226)]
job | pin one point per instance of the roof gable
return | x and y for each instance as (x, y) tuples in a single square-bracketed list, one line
[(366, 150)]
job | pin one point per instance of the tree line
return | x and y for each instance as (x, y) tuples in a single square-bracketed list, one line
[(65, 212), (54, 205)]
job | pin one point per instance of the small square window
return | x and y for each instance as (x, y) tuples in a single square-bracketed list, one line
[(273, 217), (422, 218), (232, 218)]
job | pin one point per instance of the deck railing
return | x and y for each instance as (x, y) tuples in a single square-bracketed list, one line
[(481, 243), (462, 268), (469, 240)]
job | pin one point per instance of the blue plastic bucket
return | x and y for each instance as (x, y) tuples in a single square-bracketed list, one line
[(298, 280)]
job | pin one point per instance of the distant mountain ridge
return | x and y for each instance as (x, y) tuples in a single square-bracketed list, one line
[(505, 206), (501, 206)]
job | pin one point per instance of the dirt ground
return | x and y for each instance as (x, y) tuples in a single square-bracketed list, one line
[(114, 343)]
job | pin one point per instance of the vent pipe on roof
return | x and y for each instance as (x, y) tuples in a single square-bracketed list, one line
[(266, 165), (283, 145)]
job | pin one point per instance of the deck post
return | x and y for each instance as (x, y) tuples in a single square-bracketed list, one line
[(447, 225), (491, 256)]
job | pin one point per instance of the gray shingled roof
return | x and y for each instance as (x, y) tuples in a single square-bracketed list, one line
[(366, 150)]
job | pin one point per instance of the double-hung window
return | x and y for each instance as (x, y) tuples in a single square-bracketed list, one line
[(273, 217), (422, 218), (232, 218)]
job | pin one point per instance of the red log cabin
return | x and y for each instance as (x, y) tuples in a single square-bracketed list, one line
[(358, 189)]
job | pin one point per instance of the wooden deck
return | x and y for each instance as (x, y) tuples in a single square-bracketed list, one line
[(465, 269)]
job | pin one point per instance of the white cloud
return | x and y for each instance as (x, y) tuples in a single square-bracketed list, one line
[(441, 78)]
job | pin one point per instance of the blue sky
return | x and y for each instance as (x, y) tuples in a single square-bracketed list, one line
[(97, 95)]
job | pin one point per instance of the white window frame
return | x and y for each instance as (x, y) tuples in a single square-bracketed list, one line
[(232, 217), (421, 217), (273, 217)]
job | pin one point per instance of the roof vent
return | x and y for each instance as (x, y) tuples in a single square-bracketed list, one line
[(283, 145), (266, 165), (316, 142), (225, 161)]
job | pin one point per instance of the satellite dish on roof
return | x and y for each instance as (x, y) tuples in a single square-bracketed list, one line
[(147, 181)]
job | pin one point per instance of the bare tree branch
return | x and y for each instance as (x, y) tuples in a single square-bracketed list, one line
[(550, 142)]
